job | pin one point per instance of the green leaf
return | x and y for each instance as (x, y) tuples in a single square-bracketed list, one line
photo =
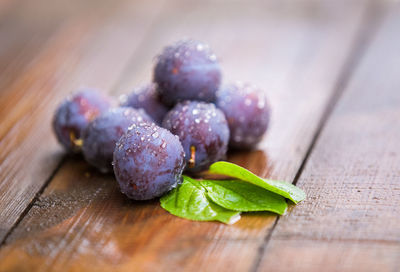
[(284, 189), (242, 196), (190, 201)]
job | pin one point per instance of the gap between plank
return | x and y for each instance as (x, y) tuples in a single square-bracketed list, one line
[(372, 21), (368, 29)]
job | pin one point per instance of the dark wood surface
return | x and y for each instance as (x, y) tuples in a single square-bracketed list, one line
[(351, 219), (330, 70)]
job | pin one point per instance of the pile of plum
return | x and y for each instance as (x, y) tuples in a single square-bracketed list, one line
[(183, 121)]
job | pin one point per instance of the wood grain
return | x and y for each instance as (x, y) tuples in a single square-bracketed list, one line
[(351, 218), (90, 50), (295, 51)]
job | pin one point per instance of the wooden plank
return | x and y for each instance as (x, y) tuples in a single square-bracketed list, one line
[(25, 28), (91, 49), (6, 6), (351, 219), (331, 255), (82, 222)]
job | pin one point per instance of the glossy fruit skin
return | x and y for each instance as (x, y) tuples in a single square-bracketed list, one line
[(101, 135), (74, 114), (202, 126), (187, 70), (146, 98), (148, 161), (247, 111)]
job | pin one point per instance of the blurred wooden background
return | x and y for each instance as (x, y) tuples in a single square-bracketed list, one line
[(332, 72)]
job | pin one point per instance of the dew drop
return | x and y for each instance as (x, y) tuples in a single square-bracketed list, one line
[(123, 98), (261, 104)]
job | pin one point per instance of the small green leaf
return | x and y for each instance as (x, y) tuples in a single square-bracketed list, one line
[(242, 196), (190, 201), (284, 189)]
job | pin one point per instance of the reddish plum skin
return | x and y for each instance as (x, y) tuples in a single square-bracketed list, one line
[(187, 70), (101, 135), (148, 161), (75, 113), (146, 98), (202, 126), (247, 112)]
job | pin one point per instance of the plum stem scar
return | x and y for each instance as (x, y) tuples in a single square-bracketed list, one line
[(76, 142), (192, 159)]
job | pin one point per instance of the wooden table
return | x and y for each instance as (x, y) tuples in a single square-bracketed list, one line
[(331, 70)]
